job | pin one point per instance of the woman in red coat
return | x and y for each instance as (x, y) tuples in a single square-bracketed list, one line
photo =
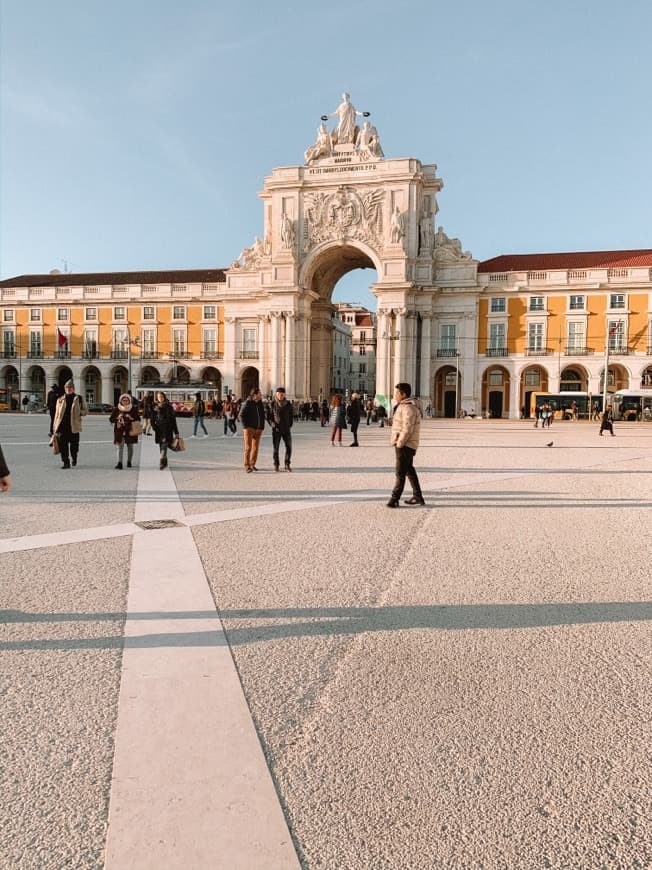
[(123, 416)]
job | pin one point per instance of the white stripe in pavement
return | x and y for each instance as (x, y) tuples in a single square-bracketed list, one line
[(190, 785)]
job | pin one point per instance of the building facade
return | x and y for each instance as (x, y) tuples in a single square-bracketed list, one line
[(362, 363), (467, 335)]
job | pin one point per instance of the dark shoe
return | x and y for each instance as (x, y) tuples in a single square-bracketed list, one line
[(414, 500), (129, 465), (248, 470), (74, 461), (253, 468), (393, 503), (287, 468), (66, 465), (163, 464), (276, 468), (118, 466)]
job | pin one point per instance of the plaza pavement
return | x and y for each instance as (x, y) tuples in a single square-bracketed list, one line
[(306, 678)]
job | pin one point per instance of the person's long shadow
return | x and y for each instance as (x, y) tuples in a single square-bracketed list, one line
[(280, 624)]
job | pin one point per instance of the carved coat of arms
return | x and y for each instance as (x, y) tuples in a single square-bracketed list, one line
[(344, 213)]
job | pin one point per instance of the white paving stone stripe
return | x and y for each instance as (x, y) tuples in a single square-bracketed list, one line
[(190, 787)]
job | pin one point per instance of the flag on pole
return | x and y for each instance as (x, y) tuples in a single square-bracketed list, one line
[(61, 338)]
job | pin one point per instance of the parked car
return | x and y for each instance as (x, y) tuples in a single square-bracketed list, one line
[(99, 408)]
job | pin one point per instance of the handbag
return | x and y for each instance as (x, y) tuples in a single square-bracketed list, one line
[(135, 429), (178, 445), (54, 443)]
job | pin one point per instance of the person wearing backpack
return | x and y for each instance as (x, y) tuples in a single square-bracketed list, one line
[(198, 411)]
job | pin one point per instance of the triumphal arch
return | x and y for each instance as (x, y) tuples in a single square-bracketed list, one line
[(347, 207)]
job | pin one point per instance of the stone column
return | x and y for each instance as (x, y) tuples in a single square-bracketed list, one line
[(107, 389), (265, 353), (411, 361), (514, 404), (305, 388), (290, 354), (275, 371), (400, 354), (382, 351), (231, 360), (426, 355)]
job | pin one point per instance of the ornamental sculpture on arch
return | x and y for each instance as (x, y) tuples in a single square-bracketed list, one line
[(347, 206)]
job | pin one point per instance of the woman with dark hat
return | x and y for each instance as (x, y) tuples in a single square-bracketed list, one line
[(123, 416), (164, 422)]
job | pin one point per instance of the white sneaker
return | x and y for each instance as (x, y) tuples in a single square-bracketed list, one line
[(193, 436)]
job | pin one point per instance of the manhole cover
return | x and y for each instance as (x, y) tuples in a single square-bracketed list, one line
[(158, 524)]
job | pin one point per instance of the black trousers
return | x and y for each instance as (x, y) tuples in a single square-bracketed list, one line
[(68, 447), (405, 468), (354, 430), (277, 437)]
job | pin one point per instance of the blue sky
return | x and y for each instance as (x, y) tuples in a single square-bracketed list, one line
[(135, 135)]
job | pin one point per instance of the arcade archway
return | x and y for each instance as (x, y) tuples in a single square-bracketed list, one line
[(495, 392), (249, 380)]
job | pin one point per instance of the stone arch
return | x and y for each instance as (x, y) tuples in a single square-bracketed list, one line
[(574, 377), (533, 379), (646, 377), (496, 380), (61, 375), (150, 375), (91, 383), (446, 392), (619, 378), (34, 383), (249, 380), (329, 262), (120, 381), (10, 378)]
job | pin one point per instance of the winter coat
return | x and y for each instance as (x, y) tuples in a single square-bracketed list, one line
[(122, 420), (252, 415), (4, 471), (354, 411), (77, 411), (406, 424), (164, 421), (338, 416), (280, 416), (199, 408)]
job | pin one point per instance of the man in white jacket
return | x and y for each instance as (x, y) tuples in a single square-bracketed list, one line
[(406, 425)]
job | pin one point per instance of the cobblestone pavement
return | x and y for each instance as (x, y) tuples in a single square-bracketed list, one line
[(463, 685)]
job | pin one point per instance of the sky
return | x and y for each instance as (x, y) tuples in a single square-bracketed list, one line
[(136, 135)]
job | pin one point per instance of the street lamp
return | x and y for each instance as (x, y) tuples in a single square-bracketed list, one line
[(136, 343)]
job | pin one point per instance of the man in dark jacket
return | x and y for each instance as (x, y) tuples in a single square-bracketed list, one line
[(252, 417), (52, 397), (281, 419), (5, 480), (353, 414)]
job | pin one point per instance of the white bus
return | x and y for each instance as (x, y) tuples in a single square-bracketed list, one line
[(632, 404)]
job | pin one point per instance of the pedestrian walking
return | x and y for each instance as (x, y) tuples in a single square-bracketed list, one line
[(198, 412), (164, 421), (280, 419), (537, 415), (337, 420), (252, 417), (67, 424), (607, 421), (126, 428), (369, 409), (51, 401), (353, 414), (5, 478), (148, 412), (381, 414), (323, 413), (406, 426)]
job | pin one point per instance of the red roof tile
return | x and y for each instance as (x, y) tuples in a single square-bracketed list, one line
[(68, 279), (571, 260)]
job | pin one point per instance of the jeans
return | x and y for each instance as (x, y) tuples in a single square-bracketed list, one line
[(354, 430), (405, 468), (286, 437), (199, 421)]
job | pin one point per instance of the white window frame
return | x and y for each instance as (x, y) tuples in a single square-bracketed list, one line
[(620, 302), (35, 315), (535, 336), (209, 345), (8, 315), (91, 343), (90, 317), (540, 303), (148, 340), (574, 306), (497, 333), (179, 340), (146, 309), (498, 305), (212, 316), (36, 341), (181, 315), (576, 329), (63, 315), (118, 318), (448, 336)]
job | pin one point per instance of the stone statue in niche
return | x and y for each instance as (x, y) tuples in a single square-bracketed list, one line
[(287, 232), (397, 226), (425, 233), (322, 147)]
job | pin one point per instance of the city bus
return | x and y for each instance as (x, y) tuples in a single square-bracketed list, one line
[(561, 403), (180, 396), (632, 404)]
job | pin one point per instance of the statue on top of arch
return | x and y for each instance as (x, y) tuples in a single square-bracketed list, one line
[(347, 136), (449, 250)]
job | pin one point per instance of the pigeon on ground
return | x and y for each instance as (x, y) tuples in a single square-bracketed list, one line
[(550, 443)]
